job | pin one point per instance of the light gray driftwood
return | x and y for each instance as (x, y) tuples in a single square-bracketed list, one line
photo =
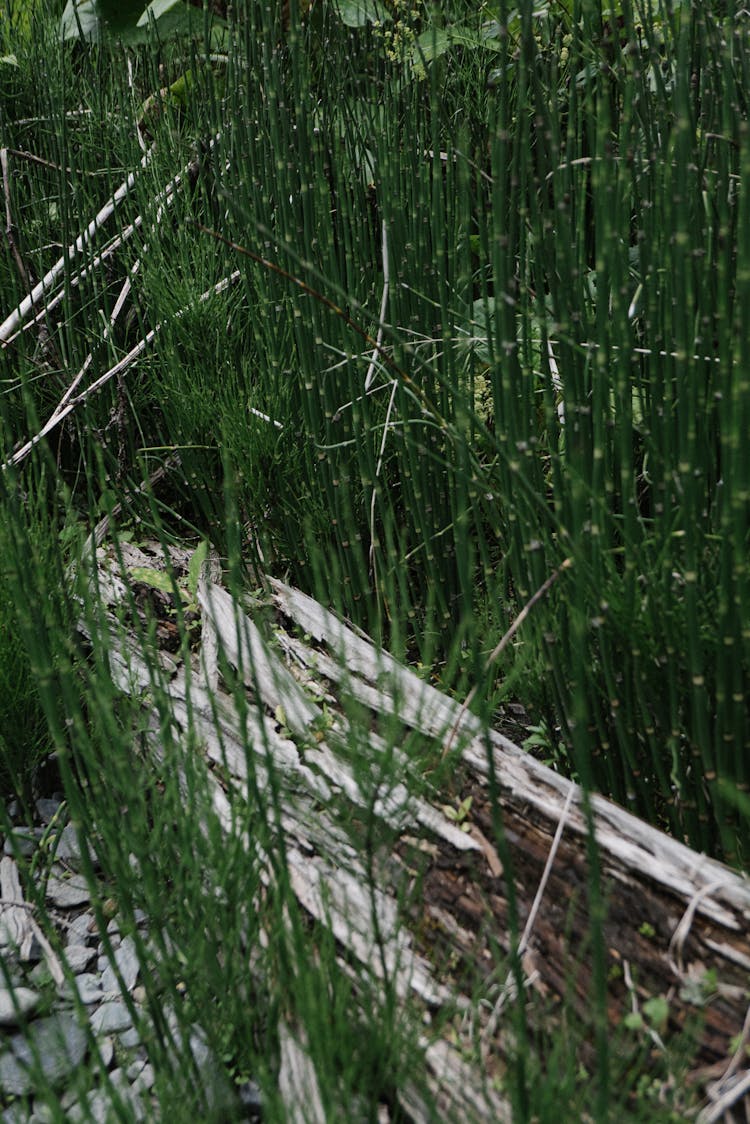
[(675, 919)]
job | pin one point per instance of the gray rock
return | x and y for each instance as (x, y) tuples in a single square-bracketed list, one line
[(217, 1089), (79, 957), (96, 1110), (111, 1017), (82, 929), (22, 841), (127, 962), (99, 1103), (130, 1039), (43, 1114), (16, 1003), (67, 892), (135, 1069), (106, 1051), (67, 845), (47, 808), (145, 1079), (68, 1098), (39, 975), (59, 1044), (88, 986), (16, 1114)]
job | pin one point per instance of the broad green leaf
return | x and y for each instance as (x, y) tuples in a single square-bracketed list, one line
[(180, 89), (172, 18), (431, 45), (656, 1010), (156, 9), (357, 13), (126, 21), (80, 20), (157, 579), (90, 19), (199, 556), (8, 60), (434, 42)]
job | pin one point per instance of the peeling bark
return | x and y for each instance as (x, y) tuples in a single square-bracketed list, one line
[(675, 924)]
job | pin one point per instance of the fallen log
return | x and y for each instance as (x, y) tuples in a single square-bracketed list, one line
[(437, 923)]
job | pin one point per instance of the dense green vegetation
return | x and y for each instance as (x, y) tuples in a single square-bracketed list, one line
[(447, 303)]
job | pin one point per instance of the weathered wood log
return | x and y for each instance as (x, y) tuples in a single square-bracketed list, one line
[(675, 923)]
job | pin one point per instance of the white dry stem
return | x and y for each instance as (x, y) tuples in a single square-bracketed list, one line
[(383, 309), (592, 345), (164, 199), (680, 935), (67, 406), (50, 279), (76, 279), (379, 465), (556, 382), (18, 321), (727, 1084), (15, 323), (629, 984), (265, 417), (118, 307), (61, 412), (727, 1100), (508, 987), (371, 371)]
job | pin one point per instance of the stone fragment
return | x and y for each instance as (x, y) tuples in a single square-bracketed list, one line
[(106, 1051), (135, 1069), (130, 1039), (43, 1113), (67, 892), (111, 1017), (95, 1110), (17, 1113), (82, 929), (22, 841), (15, 1003), (127, 961), (53, 1046), (79, 957), (68, 849), (89, 988), (47, 808), (145, 1079)]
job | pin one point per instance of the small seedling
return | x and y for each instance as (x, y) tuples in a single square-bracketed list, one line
[(460, 814)]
